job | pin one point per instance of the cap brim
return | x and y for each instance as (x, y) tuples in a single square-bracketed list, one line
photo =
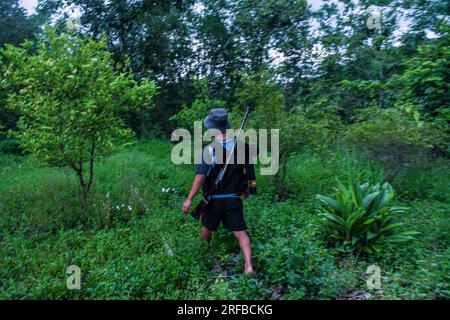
[(210, 124)]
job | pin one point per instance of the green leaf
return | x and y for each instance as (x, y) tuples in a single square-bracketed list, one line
[(331, 203)]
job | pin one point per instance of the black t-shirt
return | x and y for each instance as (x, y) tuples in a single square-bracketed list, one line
[(239, 171)]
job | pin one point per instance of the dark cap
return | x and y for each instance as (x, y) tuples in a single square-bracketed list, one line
[(217, 119)]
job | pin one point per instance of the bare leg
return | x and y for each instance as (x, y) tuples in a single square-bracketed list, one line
[(206, 234), (244, 243)]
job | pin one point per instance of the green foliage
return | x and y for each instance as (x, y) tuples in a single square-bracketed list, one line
[(424, 84), (427, 178), (265, 94), (18, 26), (294, 268), (269, 113), (358, 70), (312, 173), (393, 137), (299, 128), (199, 108), (317, 127), (69, 96), (361, 217), (10, 146), (49, 200), (123, 253), (350, 103)]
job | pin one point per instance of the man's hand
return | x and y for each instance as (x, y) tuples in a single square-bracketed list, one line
[(186, 205), (198, 181)]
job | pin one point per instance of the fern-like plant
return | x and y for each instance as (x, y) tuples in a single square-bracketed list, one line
[(361, 217)]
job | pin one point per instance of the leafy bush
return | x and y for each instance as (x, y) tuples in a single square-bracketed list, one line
[(424, 179), (311, 173), (361, 217), (293, 262), (199, 108), (393, 137), (424, 83), (10, 146)]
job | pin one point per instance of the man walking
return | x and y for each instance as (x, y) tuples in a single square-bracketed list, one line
[(238, 182)]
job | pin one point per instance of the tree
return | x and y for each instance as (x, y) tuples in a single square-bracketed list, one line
[(424, 85), (260, 90), (156, 35), (16, 27), (69, 95), (178, 42), (200, 107), (249, 36), (356, 61), (298, 127)]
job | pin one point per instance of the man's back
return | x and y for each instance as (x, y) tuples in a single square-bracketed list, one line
[(240, 168)]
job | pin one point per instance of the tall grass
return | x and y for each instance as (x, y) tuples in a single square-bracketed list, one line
[(126, 185), (131, 241), (311, 173)]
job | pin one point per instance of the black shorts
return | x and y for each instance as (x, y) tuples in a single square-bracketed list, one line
[(228, 210)]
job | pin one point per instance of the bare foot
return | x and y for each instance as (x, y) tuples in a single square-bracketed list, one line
[(249, 270)]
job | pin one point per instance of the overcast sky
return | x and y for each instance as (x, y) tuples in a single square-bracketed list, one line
[(29, 5)]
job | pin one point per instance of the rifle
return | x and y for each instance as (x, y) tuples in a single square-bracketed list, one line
[(200, 209)]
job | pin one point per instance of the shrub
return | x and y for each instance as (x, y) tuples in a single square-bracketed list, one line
[(310, 173), (10, 146), (424, 179), (360, 217), (392, 137), (199, 108)]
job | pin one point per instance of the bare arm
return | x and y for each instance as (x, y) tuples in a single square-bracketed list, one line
[(196, 185)]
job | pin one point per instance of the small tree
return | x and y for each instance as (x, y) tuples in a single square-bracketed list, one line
[(69, 95), (297, 128)]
